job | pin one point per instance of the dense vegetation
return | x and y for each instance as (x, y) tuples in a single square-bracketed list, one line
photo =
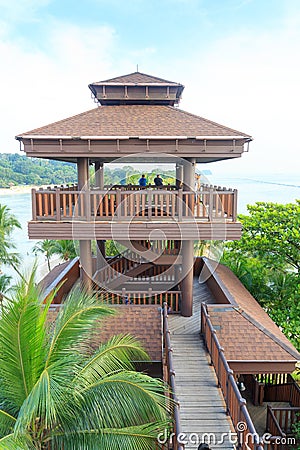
[(19, 170), (267, 261)]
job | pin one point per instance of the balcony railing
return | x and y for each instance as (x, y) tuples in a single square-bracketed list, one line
[(210, 203)]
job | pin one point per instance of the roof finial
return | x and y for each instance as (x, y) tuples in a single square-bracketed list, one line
[(137, 67)]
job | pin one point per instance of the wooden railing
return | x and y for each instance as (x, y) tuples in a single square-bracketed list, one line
[(236, 405), (209, 203), (284, 418), (123, 263), (282, 388), (150, 297), (175, 445)]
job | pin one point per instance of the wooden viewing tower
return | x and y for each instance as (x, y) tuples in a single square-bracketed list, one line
[(137, 121)]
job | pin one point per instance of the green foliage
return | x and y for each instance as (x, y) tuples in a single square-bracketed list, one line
[(54, 392), (8, 223), (18, 169), (129, 175), (267, 261), (272, 232)]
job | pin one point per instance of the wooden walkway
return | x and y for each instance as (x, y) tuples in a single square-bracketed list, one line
[(202, 407)]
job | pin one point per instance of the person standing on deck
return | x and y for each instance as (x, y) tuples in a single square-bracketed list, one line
[(143, 181), (158, 181)]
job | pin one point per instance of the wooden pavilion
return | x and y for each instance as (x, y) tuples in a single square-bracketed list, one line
[(137, 121)]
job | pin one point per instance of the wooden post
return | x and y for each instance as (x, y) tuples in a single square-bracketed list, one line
[(149, 193), (82, 173), (187, 281), (99, 175), (179, 175), (33, 200), (57, 201), (234, 206), (85, 247), (85, 250)]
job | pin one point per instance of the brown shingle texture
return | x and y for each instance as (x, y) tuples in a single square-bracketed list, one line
[(141, 321), (246, 326), (243, 341), (135, 120), (136, 77)]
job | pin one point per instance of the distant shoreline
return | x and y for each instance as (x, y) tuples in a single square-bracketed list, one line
[(18, 189)]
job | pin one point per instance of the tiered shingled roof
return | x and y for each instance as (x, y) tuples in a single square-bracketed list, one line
[(135, 121)]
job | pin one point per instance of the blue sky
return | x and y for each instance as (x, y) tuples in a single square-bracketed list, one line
[(239, 61)]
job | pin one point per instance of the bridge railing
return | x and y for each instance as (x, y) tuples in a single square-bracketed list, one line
[(236, 405), (209, 203), (174, 445)]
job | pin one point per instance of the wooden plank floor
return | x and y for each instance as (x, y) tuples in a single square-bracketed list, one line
[(202, 407)]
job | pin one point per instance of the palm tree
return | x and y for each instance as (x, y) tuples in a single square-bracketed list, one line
[(55, 394), (46, 247), (5, 281), (65, 249), (8, 223)]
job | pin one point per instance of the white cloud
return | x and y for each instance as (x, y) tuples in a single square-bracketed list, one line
[(37, 88), (21, 10), (250, 81)]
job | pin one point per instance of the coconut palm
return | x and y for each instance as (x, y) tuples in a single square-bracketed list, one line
[(8, 223), (55, 393), (47, 248), (5, 287), (65, 249)]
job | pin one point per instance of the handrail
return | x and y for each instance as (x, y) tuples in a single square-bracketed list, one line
[(209, 203), (171, 376), (273, 425), (172, 298), (235, 403)]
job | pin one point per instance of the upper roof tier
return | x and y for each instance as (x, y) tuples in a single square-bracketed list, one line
[(137, 89)]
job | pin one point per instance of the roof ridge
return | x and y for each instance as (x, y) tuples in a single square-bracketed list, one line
[(208, 120), (268, 333), (138, 73)]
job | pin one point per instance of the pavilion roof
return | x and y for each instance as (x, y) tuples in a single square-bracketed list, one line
[(133, 121)]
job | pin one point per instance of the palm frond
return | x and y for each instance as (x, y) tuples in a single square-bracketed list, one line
[(22, 345), (123, 399), (7, 422), (74, 324), (142, 437), (10, 442), (116, 354), (42, 402)]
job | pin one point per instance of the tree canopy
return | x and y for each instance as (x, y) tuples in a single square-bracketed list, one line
[(267, 261)]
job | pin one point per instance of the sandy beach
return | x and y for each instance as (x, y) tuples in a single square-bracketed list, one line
[(18, 190)]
